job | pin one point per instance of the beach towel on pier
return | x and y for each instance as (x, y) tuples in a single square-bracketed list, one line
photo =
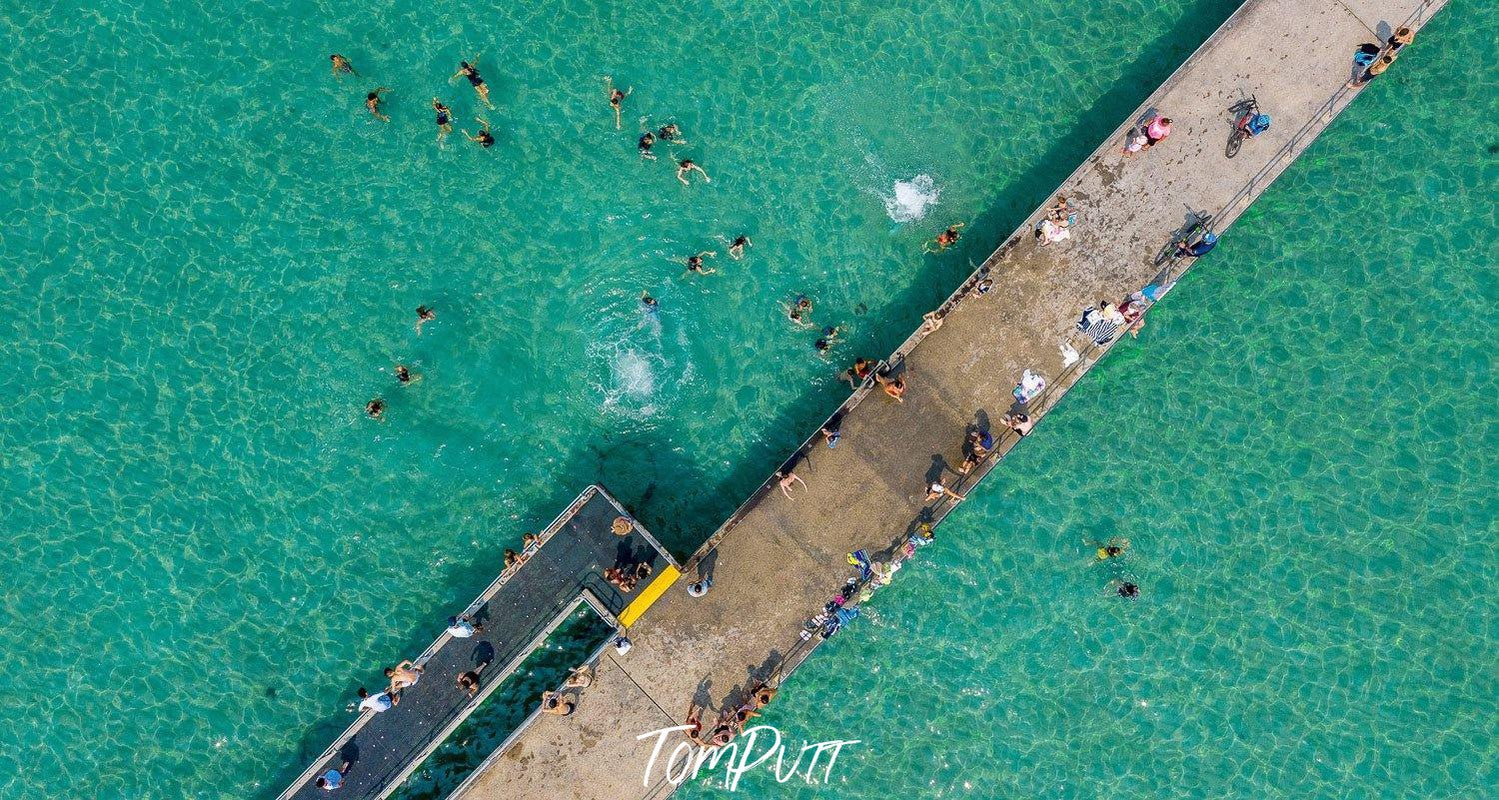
[(1101, 331)]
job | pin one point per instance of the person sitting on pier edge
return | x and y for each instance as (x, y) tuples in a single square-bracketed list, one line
[(333, 778), (511, 558), (1201, 247), (377, 703), (1020, 423), (557, 704)]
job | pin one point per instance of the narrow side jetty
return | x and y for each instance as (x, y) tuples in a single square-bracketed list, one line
[(517, 612), (778, 559)]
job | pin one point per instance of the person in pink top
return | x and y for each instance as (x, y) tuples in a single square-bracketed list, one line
[(1158, 129)]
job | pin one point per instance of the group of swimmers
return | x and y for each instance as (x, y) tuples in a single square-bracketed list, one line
[(732, 720), (375, 409), (1109, 551), (374, 101)]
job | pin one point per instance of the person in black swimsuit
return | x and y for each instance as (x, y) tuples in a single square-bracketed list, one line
[(484, 138), (671, 133), (469, 69), (616, 98), (444, 118), (341, 65), (646, 140)]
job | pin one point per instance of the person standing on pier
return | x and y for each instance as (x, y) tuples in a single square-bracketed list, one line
[(333, 778)]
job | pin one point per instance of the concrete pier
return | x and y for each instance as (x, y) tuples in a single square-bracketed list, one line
[(556, 575), (779, 559)]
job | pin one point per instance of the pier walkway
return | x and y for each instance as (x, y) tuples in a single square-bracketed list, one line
[(778, 559), (517, 612)]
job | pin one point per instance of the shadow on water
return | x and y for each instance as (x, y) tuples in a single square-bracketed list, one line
[(661, 485)]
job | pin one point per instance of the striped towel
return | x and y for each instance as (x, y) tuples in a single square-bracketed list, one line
[(1102, 332)]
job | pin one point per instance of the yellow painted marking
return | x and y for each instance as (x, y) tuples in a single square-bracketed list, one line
[(650, 594)]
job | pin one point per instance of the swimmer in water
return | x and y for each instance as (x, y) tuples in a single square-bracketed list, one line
[(372, 103), (1126, 589), (795, 313), (945, 239), (424, 315), (444, 119), (685, 168), (616, 100), (646, 140), (649, 303), (1113, 548), (484, 137), (671, 133), (341, 65), (695, 263), (375, 408), (404, 375), (736, 247), (470, 69)]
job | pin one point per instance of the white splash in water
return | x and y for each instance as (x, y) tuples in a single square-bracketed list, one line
[(908, 200), (632, 373)]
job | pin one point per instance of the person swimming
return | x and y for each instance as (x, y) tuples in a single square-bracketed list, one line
[(403, 374), (469, 69), (794, 313), (375, 408), (1113, 548), (341, 66), (649, 303), (671, 133), (372, 104), (736, 248), (945, 239), (616, 100), (1127, 589), (424, 315), (484, 137), (444, 118), (695, 263), (685, 168), (646, 140)]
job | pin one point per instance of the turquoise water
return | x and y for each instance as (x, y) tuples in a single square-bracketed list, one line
[(1303, 459), (214, 255)]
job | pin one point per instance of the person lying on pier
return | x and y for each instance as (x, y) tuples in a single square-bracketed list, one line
[(581, 677), (1135, 142), (930, 322), (944, 240), (893, 386), (936, 490), (403, 675), (617, 578), (463, 627), (786, 479), (557, 704), (377, 703), (469, 681)]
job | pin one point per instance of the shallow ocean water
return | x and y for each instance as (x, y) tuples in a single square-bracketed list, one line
[(213, 259), (1302, 457)]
